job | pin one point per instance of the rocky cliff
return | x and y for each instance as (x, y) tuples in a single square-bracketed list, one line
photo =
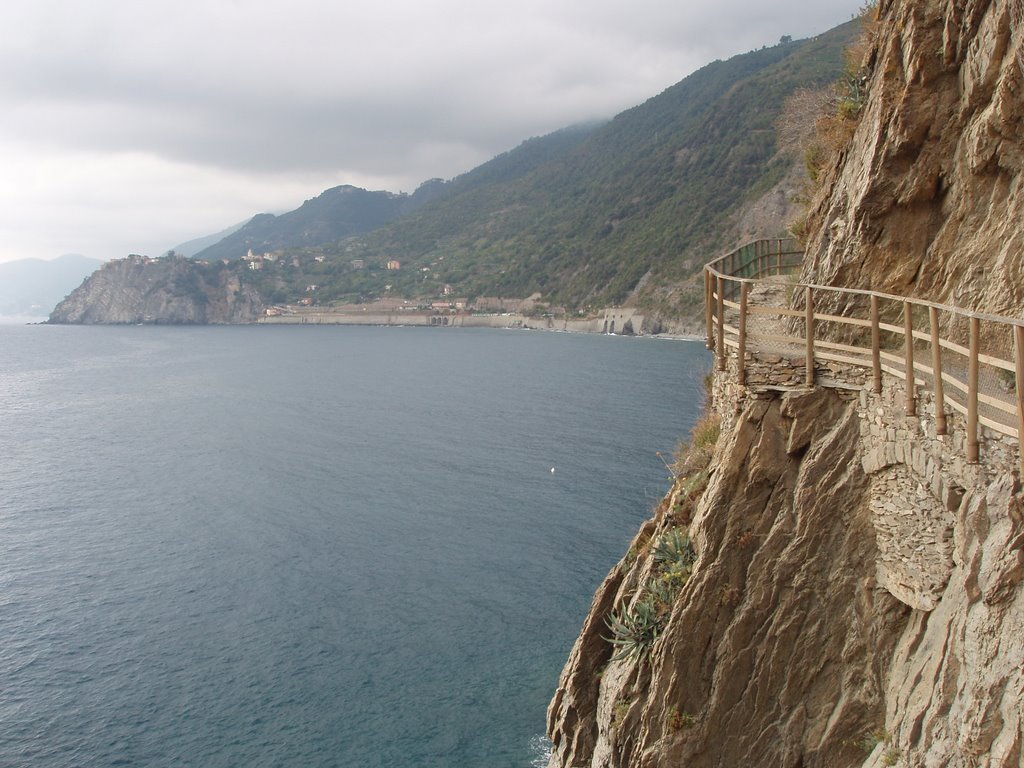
[(927, 199), (775, 650), (855, 593), (167, 290), (855, 600)]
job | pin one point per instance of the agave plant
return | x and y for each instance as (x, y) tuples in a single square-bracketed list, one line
[(674, 551), (634, 631), (663, 592)]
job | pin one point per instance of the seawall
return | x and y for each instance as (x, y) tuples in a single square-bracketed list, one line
[(618, 320)]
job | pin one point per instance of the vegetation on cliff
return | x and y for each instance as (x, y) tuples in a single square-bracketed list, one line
[(819, 123), (638, 621), (780, 533)]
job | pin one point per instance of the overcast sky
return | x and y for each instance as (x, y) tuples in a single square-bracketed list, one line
[(129, 126)]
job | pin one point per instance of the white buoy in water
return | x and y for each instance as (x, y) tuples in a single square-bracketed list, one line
[(552, 470)]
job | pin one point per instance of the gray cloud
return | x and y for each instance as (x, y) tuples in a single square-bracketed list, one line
[(267, 96)]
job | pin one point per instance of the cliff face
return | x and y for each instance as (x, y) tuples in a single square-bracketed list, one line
[(856, 600), (776, 650), (857, 597), (927, 200), (167, 290)]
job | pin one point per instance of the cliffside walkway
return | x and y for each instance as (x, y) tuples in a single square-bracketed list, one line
[(760, 317)]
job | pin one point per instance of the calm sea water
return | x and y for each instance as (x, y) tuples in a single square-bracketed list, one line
[(260, 546)]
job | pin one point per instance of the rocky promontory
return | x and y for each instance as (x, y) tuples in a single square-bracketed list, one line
[(169, 290)]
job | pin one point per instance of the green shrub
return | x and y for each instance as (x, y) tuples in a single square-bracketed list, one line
[(869, 741), (630, 558), (675, 554), (663, 593), (619, 712), (676, 720), (635, 630), (694, 456)]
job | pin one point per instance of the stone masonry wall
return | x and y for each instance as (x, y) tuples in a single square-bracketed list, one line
[(918, 478)]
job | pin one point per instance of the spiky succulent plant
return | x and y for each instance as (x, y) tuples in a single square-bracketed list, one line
[(675, 554), (634, 631)]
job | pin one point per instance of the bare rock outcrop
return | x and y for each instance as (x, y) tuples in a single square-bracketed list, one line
[(955, 687), (841, 611), (777, 647), (927, 199), (171, 290)]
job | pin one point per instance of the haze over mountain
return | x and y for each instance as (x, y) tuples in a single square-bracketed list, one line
[(31, 288), (194, 246), (129, 129), (330, 216), (589, 216), (649, 196)]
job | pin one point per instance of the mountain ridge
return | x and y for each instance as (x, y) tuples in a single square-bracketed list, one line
[(597, 215), (31, 288)]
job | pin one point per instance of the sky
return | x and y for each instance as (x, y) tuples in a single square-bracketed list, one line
[(131, 126)]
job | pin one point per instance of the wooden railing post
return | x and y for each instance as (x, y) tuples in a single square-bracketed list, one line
[(1018, 358), (908, 347), (708, 308), (876, 347), (741, 369), (720, 342), (972, 392), (809, 332), (940, 399), (755, 261)]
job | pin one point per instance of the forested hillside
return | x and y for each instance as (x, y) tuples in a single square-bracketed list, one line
[(583, 215), (623, 211), (651, 190)]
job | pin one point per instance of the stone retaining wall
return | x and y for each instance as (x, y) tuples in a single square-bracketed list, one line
[(434, 319), (918, 478)]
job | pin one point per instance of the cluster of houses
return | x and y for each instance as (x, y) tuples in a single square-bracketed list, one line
[(255, 261), (447, 304)]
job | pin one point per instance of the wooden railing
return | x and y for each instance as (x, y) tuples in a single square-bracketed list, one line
[(973, 362)]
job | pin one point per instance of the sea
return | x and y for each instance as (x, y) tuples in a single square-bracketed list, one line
[(313, 546)]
